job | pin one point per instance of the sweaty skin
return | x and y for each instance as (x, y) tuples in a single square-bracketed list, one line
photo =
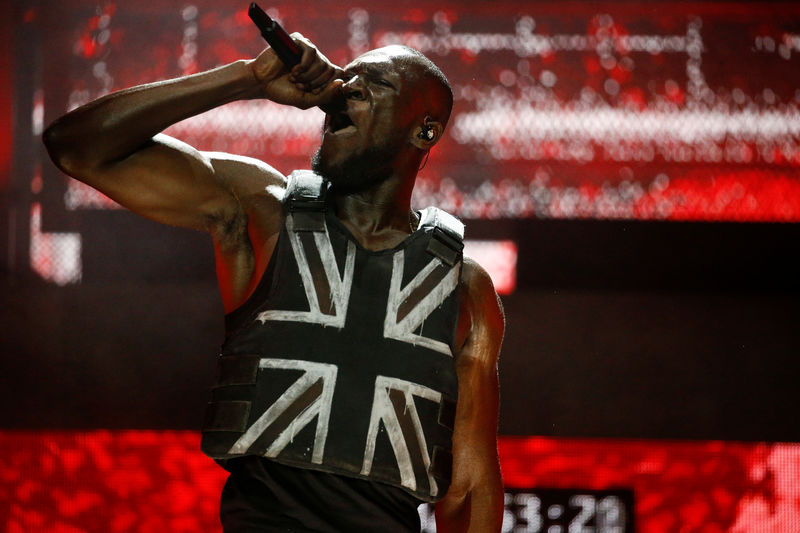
[(114, 144)]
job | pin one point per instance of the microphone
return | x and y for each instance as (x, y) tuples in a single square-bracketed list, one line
[(272, 32), (286, 49)]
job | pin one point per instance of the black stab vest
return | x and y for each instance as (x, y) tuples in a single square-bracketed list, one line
[(342, 360)]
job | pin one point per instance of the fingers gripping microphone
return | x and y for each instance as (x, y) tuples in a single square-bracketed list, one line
[(287, 50)]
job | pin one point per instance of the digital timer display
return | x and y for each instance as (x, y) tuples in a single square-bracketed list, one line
[(544, 510), (568, 511)]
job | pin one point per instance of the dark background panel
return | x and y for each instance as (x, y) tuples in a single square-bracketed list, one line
[(650, 364), (119, 246), (125, 355), (641, 330), (585, 254)]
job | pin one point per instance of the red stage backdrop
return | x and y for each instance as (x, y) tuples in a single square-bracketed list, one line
[(145, 481)]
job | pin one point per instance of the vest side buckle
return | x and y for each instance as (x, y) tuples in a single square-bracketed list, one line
[(445, 247)]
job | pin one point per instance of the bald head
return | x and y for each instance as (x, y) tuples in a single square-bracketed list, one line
[(424, 77)]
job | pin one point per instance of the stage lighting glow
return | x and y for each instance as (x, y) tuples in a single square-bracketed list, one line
[(499, 258)]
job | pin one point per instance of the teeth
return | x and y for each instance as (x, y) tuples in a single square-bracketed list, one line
[(339, 121), (344, 131)]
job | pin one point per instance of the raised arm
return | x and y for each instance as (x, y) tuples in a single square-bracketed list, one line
[(114, 144), (474, 502)]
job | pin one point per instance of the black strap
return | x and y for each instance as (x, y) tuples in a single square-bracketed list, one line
[(237, 370), (227, 416), (447, 413), (305, 200), (305, 191), (441, 464), (447, 237)]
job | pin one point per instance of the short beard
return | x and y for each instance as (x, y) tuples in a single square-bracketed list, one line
[(358, 172)]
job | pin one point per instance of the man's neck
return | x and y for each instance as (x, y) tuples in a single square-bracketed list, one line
[(378, 217)]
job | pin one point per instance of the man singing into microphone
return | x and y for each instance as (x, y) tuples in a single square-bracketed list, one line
[(358, 377)]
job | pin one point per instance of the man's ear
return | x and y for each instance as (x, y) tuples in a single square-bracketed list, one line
[(427, 134)]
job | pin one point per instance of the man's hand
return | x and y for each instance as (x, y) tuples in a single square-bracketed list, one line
[(312, 82)]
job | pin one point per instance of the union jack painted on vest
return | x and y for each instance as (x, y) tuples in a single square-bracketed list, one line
[(342, 360)]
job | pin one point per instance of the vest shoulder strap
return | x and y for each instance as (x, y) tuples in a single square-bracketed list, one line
[(305, 190), (305, 198), (447, 238)]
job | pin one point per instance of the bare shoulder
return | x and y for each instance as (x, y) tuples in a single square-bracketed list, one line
[(475, 278), (247, 176), (482, 321)]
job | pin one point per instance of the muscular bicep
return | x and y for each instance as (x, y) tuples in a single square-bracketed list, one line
[(170, 182)]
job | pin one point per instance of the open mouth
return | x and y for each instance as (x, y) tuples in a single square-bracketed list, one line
[(340, 123)]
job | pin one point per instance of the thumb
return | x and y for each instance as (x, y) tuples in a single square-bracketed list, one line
[(330, 93)]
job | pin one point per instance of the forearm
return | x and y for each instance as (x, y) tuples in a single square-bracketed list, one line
[(480, 510), (486, 506), (114, 126)]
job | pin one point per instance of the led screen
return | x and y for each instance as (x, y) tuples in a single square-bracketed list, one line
[(582, 110), (625, 111)]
